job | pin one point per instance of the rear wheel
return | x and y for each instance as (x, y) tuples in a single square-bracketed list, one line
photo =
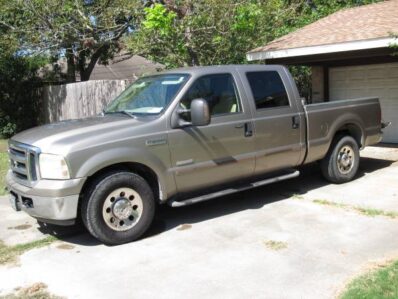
[(342, 160), (119, 208)]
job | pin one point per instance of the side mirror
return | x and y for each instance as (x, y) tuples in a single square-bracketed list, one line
[(200, 112)]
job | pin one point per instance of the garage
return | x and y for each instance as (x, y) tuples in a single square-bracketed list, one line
[(378, 80), (350, 54)]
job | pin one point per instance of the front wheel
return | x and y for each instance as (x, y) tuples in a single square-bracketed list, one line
[(342, 160), (119, 208)]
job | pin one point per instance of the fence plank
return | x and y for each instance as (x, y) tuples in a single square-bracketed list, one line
[(78, 100)]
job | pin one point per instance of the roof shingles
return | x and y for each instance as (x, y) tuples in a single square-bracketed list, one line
[(366, 22)]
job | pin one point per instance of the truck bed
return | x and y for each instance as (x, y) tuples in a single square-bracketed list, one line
[(359, 116)]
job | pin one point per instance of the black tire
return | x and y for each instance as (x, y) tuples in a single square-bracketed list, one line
[(93, 205), (332, 169)]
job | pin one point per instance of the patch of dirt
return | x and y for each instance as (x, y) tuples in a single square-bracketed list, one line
[(37, 290), (36, 287), (65, 246), (184, 227), (21, 227)]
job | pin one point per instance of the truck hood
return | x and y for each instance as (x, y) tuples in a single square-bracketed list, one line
[(61, 137)]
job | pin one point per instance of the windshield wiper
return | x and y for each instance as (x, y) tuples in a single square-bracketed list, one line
[(121, 112)]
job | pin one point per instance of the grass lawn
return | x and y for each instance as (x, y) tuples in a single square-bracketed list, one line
[(381, 284), (3, 164), (10, 254)]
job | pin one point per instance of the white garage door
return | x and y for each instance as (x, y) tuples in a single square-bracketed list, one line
[(378, 80)]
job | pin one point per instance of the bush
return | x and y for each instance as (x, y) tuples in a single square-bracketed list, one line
[(19, 96)]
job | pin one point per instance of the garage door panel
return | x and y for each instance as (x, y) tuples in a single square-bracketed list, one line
[(393, 72), (356, 75), (378, 80)]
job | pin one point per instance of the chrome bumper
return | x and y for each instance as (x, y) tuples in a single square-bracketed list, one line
[(51, 201)]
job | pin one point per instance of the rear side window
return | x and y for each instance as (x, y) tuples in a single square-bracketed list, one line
[(268, 89)]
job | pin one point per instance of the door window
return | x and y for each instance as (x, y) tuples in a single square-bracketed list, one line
[(268, 89), (219, 90)]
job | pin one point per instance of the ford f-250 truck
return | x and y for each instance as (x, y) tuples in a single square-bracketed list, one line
[(182, 137)]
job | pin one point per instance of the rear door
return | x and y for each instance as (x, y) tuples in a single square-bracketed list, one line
[(224, 150), (279, 140)]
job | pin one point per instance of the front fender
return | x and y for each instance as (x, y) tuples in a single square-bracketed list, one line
[(108, 157)]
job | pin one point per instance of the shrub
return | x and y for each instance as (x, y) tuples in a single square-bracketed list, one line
[(19, 97)]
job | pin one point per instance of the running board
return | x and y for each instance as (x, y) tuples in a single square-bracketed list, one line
[(191, 201)]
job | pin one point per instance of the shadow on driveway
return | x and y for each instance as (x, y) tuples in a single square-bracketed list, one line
[(168, 218)]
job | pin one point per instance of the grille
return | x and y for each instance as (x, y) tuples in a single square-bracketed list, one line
[(23, 162)]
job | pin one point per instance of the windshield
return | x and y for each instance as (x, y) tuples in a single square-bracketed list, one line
[(148, 95)]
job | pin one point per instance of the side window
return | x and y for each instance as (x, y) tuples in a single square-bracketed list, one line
[(218, 90), (268, 89)]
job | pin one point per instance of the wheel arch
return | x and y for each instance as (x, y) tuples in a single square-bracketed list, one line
[(144, 163), (134, 167), (351, 129)]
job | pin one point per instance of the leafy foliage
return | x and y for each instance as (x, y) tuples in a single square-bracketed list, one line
[(202, 32), (206, 32), (19, 97), (84, 32)]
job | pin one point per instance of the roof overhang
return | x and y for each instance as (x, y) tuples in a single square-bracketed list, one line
[(323, 49)]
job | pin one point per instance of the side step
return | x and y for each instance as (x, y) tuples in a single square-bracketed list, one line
[(190, 201)]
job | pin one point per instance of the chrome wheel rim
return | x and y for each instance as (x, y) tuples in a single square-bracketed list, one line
[(345, 159), (122, 209)]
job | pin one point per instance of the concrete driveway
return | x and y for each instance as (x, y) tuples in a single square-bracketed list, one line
[(302, 238)]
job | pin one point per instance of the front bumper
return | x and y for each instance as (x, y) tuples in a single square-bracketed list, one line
[(53, 201)]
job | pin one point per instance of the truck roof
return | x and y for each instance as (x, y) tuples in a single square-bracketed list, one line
[(198, 70)]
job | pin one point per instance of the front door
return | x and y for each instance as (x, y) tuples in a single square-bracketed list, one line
[(218, 153)]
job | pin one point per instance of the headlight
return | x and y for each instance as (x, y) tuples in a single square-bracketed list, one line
[(53, 167)]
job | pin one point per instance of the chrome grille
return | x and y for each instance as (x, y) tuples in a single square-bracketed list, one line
[(24, 162)]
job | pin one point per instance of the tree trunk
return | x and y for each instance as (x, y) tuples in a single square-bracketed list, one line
[(85, 71), (71, 68), (193, 56)]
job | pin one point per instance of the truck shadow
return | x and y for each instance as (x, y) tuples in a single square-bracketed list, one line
[(311, 178), (168, 218)]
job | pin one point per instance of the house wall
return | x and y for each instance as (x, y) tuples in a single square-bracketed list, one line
[(317, 80)]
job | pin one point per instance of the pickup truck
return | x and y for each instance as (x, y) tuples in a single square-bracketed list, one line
[(181, 137)]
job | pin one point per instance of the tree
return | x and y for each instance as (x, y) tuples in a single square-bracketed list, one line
[(83, 31), (204, 32), (188, 32)]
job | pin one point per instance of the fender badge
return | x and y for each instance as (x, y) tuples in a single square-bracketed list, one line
[(155, 142)]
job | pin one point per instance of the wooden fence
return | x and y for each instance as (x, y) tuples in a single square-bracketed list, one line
[(78, 100)]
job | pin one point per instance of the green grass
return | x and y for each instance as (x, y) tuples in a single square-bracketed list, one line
[(3, 165), (3, 145), (10, 254), (364, 211), (275, 245), (330, 203), (376, 212), (381, 284)]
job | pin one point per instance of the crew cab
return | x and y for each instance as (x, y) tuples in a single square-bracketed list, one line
[(181, 137)]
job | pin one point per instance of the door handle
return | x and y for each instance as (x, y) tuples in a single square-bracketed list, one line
[(296, 122), (248, 129)]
